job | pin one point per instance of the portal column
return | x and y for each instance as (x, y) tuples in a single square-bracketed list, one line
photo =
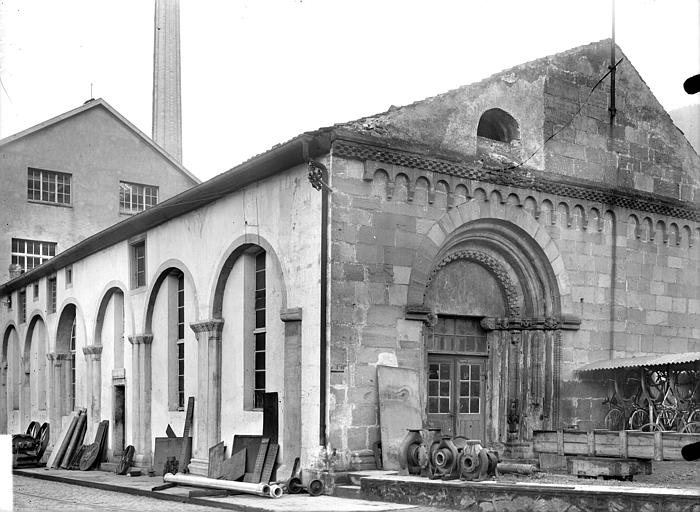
[(141, 395), (207, 415)]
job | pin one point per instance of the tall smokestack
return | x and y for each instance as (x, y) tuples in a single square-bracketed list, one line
[(167, 110)]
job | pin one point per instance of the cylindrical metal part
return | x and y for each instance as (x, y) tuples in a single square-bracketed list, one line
[(271, 491)]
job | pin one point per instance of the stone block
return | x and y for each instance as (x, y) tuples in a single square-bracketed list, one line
[(380, 273), (393, 221), (398, 256), (663, 303), (384, 315), (363, 394), (367, 253), (398, 294), (357, 438), (402, 274), (408, 240), (353, 272)]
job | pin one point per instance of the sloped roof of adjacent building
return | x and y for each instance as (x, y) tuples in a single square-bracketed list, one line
[(390, 129), (101, 103)]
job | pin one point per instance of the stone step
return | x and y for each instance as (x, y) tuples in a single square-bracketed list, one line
[(355, 476), (347, 491)]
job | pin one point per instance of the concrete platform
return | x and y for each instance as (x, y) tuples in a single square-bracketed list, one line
[(500, 496), (142, 485)]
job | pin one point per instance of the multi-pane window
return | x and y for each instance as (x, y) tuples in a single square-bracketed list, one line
[(51, 294), (181, 342), (35, 289), (48, 186), (469, 388), (259, 332), (31, 253), (439, 387), (138, 264), (135, 198), (457, 334), (22, 306), (72, 366)]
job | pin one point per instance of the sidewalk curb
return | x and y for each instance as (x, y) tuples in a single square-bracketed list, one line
[(138, 492)]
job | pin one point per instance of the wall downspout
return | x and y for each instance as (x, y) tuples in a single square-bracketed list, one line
[(318, 176)]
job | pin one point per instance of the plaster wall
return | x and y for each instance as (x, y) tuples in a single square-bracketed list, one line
[(98, 151), (282, 214)]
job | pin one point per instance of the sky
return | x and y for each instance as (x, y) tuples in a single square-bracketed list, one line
[(259, 72)]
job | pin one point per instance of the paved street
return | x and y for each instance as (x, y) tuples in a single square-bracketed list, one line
[(33, 494)]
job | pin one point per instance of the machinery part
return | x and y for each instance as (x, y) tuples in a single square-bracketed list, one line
[(33, 429), (126, 460), (315, 488), (43, 437), (294, 485), (89, 456), (266, 490), (521, 469), (445, 460), (409, 452)]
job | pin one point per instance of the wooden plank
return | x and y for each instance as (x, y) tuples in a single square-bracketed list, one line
[(234, 467), (270, 417), (75, 441), (399, 409), (59, 447), (259, 461), (165, 447), (217, 455), (169, 431), (270, 460), (658, 446), (590, 441), (623, 444), (252, 444), (560, 442), (162, 487), (185, 454)]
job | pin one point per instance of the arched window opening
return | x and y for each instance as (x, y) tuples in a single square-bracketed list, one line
[(498, 125), (72, 366)]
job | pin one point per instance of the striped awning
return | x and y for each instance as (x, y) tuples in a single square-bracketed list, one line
[(642, 361)]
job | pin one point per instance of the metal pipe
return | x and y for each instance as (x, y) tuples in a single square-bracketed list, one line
[(266, 490)]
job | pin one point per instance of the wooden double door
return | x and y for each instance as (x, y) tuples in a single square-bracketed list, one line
[(456, 395)]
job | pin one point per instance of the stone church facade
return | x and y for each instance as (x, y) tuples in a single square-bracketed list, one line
[(494, 238)]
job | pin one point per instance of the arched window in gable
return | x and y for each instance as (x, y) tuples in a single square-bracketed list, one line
[(498, 125)]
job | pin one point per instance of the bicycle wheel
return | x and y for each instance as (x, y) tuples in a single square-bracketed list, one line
[(694, 416), (650, 427), (614, 420), (669, 420), (691, 428), (638, 418)]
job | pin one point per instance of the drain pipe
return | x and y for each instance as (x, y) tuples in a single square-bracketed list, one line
[(318, 176)]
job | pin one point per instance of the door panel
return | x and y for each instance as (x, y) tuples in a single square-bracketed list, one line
[(456, 395)]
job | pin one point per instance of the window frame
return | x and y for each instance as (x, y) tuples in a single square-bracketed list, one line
[(51, 294), (22, 308), (180, 342), (136, 272), (137, 200), (259, 342), (47, 250), (43, 179)]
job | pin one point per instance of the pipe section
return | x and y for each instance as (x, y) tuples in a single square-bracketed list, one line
[(266, 490)]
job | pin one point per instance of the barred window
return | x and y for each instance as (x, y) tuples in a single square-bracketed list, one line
[(31, 253), (22, 306), (135, 198), (260, 330), (181, 342), (51, 294), (48, 186)]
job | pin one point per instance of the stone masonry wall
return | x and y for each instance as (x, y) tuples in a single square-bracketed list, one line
[(630, 276)]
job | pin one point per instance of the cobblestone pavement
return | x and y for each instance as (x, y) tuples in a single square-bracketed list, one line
[(33, 494)]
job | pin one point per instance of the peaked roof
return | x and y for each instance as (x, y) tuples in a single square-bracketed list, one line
[(91, 104)]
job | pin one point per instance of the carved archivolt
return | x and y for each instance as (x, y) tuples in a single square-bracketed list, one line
[(493, 266)]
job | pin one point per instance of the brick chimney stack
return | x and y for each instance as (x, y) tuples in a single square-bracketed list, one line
[(167, 110)]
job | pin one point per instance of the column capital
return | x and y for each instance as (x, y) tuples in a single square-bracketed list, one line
[(95, 350), (57, 357), (212, 326), (141, 339)]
